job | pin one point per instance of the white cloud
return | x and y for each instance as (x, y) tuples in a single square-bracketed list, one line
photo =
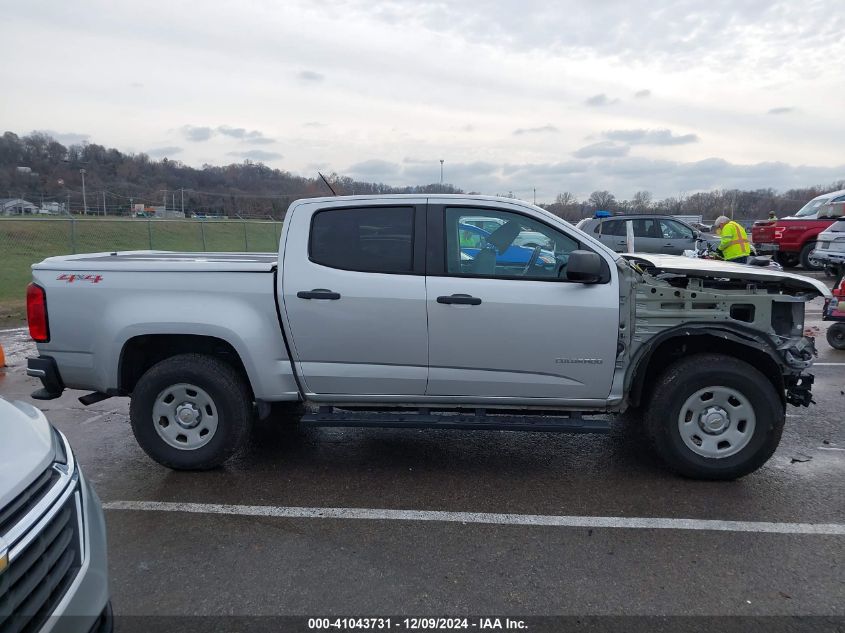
[(602, 148), (544, 129), (449, 79), (257, 154), (164, 152), (649, 137), (600, 100)]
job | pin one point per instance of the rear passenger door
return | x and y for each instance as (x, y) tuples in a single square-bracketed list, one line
[(353, 298), (647, 236)]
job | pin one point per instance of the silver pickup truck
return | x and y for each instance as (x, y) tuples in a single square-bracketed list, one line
[(407, 311)]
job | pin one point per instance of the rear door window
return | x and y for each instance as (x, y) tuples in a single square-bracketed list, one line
[(369, 239)]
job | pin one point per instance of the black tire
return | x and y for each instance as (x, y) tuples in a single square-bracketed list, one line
[(807, 263), (836, 335), (787, 260), (229, 393), (686, 377)]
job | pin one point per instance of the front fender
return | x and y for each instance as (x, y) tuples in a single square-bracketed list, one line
[(734, 334)]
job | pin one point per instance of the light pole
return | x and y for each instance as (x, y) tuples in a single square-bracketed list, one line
[(84, 199), (441, 175)]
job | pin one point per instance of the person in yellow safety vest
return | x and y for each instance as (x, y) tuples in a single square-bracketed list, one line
[(734, 244)]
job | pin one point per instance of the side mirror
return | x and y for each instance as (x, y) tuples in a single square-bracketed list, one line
[(584, 267)]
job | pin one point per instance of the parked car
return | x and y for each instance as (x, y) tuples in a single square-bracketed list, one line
[(830, 245), (369, 311), (516, 258), (524, 238), (792, 239), (652, 233), (52, 531)]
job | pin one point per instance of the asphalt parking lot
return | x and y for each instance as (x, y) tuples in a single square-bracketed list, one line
[(324, 542)]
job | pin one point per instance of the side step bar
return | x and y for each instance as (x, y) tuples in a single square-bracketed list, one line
[(478, 420)]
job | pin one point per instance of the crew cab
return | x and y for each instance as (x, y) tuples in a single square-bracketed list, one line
[(792, 239), (371, 314)]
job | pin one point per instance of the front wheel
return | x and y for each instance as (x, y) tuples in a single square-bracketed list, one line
[(712, 416), (836, 335), (191, 412), (808, 262)]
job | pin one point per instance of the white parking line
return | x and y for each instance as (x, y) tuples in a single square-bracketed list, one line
[(828, 364), (375, 514)]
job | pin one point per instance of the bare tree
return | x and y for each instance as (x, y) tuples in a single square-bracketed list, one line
[(566, 199), (602, 200), (641, 201)]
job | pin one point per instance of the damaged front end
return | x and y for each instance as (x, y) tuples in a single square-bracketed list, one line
[(697, 305)]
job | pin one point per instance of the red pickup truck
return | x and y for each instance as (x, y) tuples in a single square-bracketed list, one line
[(792, 239)]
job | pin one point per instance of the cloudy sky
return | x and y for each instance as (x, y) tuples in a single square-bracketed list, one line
[(671, 97)]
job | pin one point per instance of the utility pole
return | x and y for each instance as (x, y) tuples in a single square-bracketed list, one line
[(441, 175), (84, 199), (535, 195), (104, 202), (67, 210), (183, 201), (165, 203), (131, 207)]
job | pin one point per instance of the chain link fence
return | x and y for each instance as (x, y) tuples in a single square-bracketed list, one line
[(24, 242)]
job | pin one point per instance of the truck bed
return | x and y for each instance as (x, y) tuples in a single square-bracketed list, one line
[(153, 261)]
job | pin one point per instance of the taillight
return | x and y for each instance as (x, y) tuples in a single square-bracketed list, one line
[(36, 313)]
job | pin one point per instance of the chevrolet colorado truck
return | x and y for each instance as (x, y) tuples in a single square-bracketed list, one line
[(792, 240), (373, 315)]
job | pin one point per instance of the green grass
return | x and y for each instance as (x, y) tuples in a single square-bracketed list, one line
[(25, 242)]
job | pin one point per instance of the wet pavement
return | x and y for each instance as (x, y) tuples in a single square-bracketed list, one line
[(201, 563)]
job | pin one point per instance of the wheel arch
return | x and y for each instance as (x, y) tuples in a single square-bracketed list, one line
[(141, 352), (684, 341)]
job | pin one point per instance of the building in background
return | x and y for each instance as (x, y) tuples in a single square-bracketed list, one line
[(53, 208), (17, 206)]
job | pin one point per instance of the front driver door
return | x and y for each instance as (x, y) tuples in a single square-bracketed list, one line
[(501, 329)]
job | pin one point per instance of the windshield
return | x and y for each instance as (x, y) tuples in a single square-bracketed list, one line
[(811, 208)]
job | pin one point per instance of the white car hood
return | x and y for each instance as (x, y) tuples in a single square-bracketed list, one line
[(715, 269), (26, 447)]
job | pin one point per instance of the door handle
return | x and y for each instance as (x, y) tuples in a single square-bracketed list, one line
[(465, 300), (318, 293)]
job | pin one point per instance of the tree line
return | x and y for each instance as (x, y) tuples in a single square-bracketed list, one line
[(742, 205), (37, 167)]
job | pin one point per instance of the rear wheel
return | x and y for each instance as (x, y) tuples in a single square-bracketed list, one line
[(808, 262), (836, 335), (712, 416), (191, 412)]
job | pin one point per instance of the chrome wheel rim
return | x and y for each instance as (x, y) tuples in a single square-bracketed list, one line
[(716, 422), (185, 416)]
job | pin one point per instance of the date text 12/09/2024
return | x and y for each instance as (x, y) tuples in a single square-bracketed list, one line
[(415, 624)]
